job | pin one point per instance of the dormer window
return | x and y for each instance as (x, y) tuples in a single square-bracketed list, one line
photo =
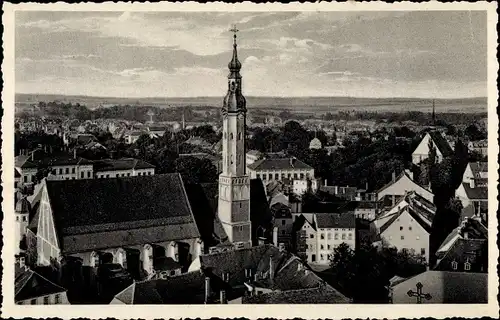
[(454, 265), (467, 265)]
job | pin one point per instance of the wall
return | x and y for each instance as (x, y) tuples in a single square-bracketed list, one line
[(416, 238), (63, 299), (332, 238)]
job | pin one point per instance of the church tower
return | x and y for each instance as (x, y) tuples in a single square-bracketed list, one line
[(234, 184)]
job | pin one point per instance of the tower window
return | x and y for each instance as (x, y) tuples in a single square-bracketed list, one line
[(239, 136), (231, 136)]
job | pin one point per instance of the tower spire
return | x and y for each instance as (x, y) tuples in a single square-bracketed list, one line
[(433, 113)]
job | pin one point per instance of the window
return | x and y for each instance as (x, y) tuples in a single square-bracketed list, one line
[(401, 228), (46, 300), (231, 136), (128, 174), (402, 237), (313, 258), (422, 251), (258, 176), (322, 236), (25, 179), (409, 228), (239, 136), (60, 171), (276, 176), (73, 170), (302, 176), (454, 265), (270, 176), (283, 222), (321, 257), (322, 247), (57, 299), (328, 247), (107, 176), (336, 236), (329, 236), (349, 236), (25, 218), (343, 236), (467, 265), (33, 301), (311, 236), (82, 175), (88, 174), (17, 218), (295, 176), (67, 170)]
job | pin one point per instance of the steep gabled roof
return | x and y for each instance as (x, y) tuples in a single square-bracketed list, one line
[(478, 193), (478, 167), (441, 143), (30, 285)]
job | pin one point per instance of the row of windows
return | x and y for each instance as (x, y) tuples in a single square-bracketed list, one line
[(467, 265), (231, 135), (269, 176), (25, 218), (126, 174), (403, 237), (46, 300), (336, 236)]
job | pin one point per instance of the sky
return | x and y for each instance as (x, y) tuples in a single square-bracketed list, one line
[(433, 54)]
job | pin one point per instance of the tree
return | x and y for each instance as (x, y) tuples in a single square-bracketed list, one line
[(195, 170)]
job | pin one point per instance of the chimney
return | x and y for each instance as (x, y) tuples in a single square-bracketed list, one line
[(336, 189), (271, 269), (262, 241), (393, 197), (207, 289), (74, 153), (366, 186), (326, 182), (275, 236), (33, 156), (256, 277), (394, 176), (223, 297), (472, 184)]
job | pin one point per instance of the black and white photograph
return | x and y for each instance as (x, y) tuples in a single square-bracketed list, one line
[(229, 156)]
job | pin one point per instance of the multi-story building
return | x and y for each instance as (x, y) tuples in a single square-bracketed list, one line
[(400, 185), (321, 233), (269, 169), (125, 167), (476, 174), (480, 147), (407, 225)]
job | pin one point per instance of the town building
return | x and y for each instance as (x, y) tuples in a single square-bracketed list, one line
[(400, 185), (62, 166), (320, 233), (273, 168), (436, 139), (252, 156), (480, 147), (124, 167), (469, 193), (300, 187), (366, 210), (476, 174), (408, 224), (33, 289), (465, 249), (283, 224), (441, 287), (315, 144), (261, 274), (22, 212)]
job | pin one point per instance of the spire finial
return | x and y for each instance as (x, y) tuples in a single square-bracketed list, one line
[(234, 30)]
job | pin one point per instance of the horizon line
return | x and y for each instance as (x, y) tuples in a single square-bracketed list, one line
[(248, 96)]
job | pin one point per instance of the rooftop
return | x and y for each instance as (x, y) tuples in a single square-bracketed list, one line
[(121, 164), (279, 164)]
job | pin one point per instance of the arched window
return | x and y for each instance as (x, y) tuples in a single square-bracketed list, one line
[(239, 136)]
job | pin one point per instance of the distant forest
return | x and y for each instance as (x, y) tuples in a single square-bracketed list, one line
[(208, 113)]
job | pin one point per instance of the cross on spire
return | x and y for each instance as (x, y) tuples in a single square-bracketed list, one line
[(419, 295), (234, 30)]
